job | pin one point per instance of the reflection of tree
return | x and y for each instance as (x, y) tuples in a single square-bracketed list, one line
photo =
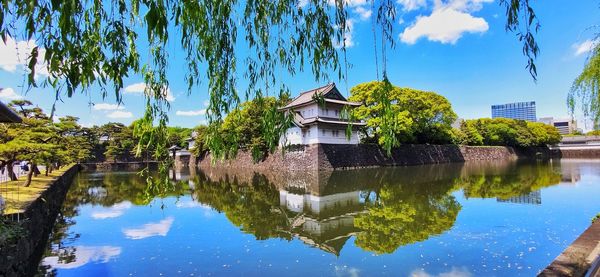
[(405, 213), (509, 183), (120, 186), (254, 207)]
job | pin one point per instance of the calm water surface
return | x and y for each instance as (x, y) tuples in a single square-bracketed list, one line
[(486, 219)]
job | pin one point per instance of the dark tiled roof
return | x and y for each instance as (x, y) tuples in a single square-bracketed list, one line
[(328, 92)]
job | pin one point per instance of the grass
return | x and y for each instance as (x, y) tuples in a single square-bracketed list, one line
[(18, 197), (596, 218)]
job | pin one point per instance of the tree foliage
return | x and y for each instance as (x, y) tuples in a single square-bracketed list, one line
[(248, 128), (506, 132), (84, 43), (408, 115), (39, 141), (586, 87)]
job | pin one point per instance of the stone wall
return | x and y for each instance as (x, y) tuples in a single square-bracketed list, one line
[(580, 153), (335, 156), (22, 257), (119, 166)]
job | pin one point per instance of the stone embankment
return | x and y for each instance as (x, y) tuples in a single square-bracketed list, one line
[(333, 156), (20, 257), (581, 258)]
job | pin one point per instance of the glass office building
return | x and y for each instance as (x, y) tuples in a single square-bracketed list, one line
[(518, 110)]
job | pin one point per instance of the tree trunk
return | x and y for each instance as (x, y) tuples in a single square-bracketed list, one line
[(10, 171), (47, 169), (35, 169), (30, 174)]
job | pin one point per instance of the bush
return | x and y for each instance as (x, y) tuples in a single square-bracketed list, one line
[(505, 132)]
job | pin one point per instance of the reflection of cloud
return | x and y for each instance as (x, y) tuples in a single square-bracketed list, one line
[(83, 255), (114, 211), (208, 211), (150, 229), (347, 271), (455, 272)]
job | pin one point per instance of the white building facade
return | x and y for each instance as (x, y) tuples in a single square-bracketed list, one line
[(320, 122), (565, 126)]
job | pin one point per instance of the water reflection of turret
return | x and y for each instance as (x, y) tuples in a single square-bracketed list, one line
[(322, 221), (384, 208)]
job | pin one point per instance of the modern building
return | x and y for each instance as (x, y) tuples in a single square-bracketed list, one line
[(317, 118), (519, 110), (565, 126)]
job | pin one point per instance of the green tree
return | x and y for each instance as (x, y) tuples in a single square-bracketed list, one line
[(419, 116), (85, 43), (32, 140), (245, 128), (120, 142), (507, 132), (200, 147)]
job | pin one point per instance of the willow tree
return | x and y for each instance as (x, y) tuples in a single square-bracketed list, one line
[(586, 87), (82, 43)]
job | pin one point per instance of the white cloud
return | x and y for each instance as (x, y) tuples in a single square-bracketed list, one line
[(411, 5), (107, 107), (137, 88), (363, 13), (15, 55), (191, 113), (447, 23), (83, 255), (347, 36), (10, 94), (461, 5), (160, 228), (120, 114), (140, 88), (583, 47), (115, 211)]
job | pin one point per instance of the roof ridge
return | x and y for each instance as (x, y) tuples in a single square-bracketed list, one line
[(314, 89)]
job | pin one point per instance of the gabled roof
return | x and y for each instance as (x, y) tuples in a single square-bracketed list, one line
[(8, 115), (329, 92)]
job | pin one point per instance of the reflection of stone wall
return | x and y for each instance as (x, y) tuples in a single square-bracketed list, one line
[(335, 156), (119, 166)]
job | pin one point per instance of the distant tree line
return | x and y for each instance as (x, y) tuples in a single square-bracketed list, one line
[(504, 131)]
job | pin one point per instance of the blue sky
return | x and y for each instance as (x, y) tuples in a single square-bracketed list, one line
[(457, 48)]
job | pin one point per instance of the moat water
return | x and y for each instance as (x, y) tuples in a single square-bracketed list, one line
[(474, 219)]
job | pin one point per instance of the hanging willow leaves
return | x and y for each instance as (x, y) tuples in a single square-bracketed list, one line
[(83, 43), (586, 87)]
